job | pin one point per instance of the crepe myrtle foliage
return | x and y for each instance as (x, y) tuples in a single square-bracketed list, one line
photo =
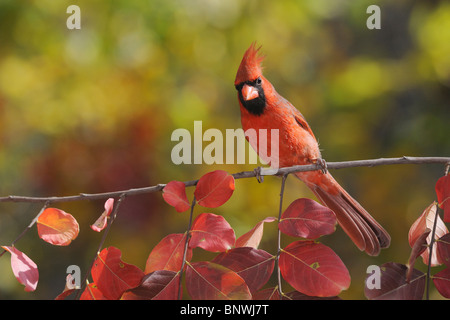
[(239, 268)]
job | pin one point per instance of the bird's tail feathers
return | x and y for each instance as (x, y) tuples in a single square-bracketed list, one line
[(360, 226)]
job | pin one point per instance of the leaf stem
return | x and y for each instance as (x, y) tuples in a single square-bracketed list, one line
[(280, 210), (102, 241), (186, 244)]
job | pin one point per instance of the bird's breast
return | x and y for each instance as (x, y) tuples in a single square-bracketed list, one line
[(278, 133)]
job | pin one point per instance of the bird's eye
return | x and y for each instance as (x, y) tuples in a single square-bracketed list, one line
[(258, 81)]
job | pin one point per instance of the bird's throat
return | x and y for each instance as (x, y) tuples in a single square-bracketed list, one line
[(254, 106)]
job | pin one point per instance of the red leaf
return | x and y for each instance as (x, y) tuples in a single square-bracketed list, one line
[(253, 265), (443, 249), (92, 293), (24, 269), (308, 219), (393, 284), (57, 227), (272, 294), (168, 254), (267, 294), (214, 189), (69, 288), (295, 295), (442, 282), (426, 221), (158, 285), (313, 269), (443, 194), (210, 281), (170, 291), (212, 233), (174, 193), (254, 236), (113, 276), (63, 295), (100, 224)]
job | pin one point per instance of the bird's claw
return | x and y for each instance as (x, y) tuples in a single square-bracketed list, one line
[(258, 175), (322, 164)]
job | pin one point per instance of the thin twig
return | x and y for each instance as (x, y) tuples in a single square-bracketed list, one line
[(280, 210), (186, 243), (28, 227), (31, 224), (111, 219), (239, 175), (432, 241)]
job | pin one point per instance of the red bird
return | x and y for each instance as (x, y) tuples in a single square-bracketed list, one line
[(263, 108)]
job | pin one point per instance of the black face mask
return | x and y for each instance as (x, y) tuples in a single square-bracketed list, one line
[(255, 106)]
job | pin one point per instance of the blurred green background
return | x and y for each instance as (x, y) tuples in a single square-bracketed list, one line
[(92, 110)]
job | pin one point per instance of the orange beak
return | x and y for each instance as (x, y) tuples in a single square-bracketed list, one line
[(249, 92)]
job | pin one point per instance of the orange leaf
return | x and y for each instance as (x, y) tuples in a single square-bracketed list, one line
[(174, 193), (24, 269), (214, 189), (57, 227)]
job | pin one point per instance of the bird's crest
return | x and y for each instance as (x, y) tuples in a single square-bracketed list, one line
[(250, 67)]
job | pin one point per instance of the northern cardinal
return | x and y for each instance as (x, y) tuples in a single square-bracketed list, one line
[(263, 108)]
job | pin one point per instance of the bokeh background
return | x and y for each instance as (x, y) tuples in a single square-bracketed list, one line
[(93, 110)]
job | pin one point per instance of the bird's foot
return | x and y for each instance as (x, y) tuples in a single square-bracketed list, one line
[(322, 164), (258, 175)]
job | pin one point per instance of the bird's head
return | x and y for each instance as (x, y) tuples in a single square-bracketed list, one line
[(250, 83)]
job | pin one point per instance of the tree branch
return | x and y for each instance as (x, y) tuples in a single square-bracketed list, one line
[(240, 175)]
